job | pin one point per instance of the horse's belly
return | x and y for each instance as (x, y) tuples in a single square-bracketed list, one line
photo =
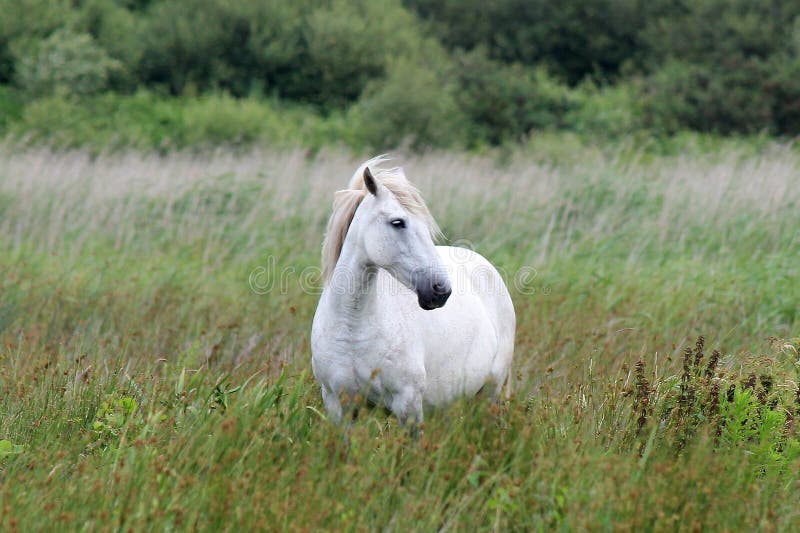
[(459, 351)]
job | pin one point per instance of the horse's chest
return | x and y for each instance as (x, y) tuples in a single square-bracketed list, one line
[(380, 356), (381, 365), (376, 353)]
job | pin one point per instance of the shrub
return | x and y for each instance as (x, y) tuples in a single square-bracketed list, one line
[(61, 122), (725, 66), (150, 122), (10, 107), (343, 46), (413, 105), (118, 31), (505, 102), (573, 39), (242, 47), (221, 119), (713, 31), (752, 409), (783, 87), (65, 63), (25, 22), (318, 52), (723, 99), (188, 45), (606, 112)]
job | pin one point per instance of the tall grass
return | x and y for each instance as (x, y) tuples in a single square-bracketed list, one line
[(154, 352)]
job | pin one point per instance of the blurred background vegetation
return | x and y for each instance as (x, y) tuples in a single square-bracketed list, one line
[(385, 73)]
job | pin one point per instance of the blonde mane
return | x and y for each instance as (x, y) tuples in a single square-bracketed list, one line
[(346, 202)]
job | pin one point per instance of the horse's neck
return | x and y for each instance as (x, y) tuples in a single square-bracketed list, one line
[(353, 282)]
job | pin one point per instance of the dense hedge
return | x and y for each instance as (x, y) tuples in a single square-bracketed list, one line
[(433, 72)]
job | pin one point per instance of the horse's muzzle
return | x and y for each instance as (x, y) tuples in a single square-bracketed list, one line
[(435, 296)]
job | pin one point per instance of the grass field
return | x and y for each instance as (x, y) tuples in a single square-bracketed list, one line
[(154, 356)]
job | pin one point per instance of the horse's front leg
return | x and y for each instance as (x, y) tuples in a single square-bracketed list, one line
[(407, 407), (332, 405)]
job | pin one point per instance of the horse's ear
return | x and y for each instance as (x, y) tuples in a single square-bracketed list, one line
[(369, 181)]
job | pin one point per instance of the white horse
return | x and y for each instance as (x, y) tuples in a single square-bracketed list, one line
[(382, 329)]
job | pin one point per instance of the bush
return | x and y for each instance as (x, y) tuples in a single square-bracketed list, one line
[(322, 53), (413, 105), (197, 45), (725, 66), (221, 119), (349, 44), (714, 31), (149, 122), (573, 39), (721, 99), (750, 409), (64, 123), (783, 88), (118, 31), (505, 102), (65, 63), (23, 23), (606, 112), (10, 107)]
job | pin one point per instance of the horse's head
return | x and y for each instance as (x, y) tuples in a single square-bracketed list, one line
[(398, 240)]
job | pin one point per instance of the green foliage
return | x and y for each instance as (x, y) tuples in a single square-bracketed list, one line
[(506, 68), (743, 96), (65, 64), (351, 43), (413, 106), (506, 102), (112, 419), (717, 31), (119, 32), (8, 448), (727, 411), (207, 44), (725, 66), (609, 112), (10, 107), (223, 120), (23, 24), (146, 121), (317, 52), (572, 39)]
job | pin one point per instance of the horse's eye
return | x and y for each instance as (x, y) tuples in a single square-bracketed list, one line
[(399, 223)]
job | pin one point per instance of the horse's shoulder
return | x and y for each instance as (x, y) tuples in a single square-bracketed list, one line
[(470, 261), (459, 255)]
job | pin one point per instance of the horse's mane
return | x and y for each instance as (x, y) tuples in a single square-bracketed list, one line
[(346, 202)]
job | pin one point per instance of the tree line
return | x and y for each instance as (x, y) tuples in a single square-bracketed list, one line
[(443, 71)]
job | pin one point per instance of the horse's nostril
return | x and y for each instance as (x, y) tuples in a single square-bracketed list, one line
[(439, 288)]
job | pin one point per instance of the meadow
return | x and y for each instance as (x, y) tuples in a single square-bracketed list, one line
[(155, 369)]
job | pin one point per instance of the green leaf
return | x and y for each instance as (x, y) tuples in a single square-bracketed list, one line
[(9, 448)]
